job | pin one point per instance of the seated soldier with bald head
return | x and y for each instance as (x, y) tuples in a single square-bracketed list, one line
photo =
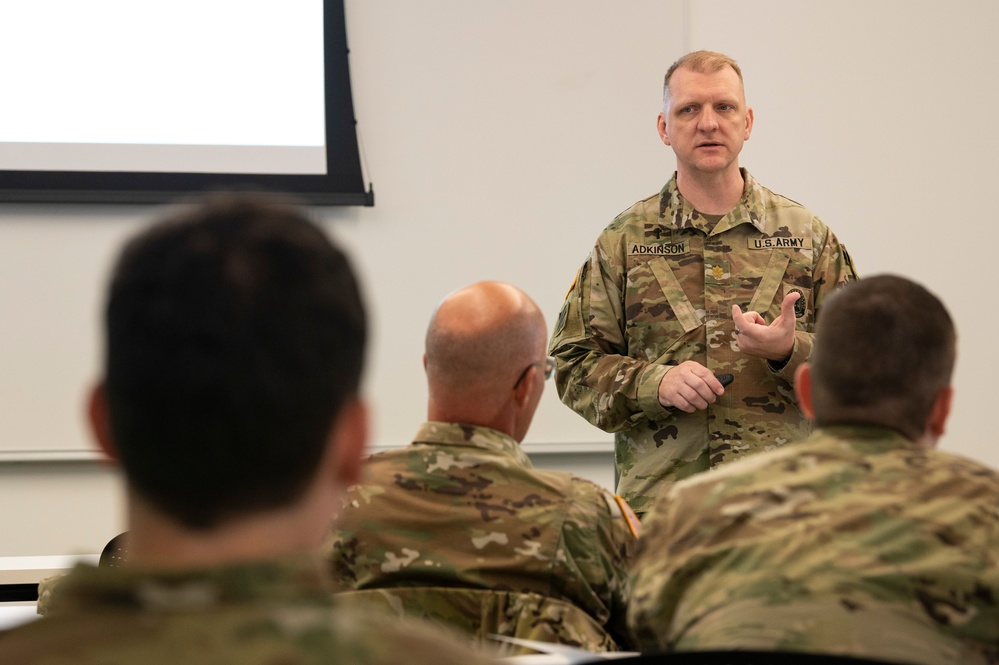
[(459, 526)]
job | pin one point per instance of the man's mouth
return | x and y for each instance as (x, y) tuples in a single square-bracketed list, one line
[(709, 144)]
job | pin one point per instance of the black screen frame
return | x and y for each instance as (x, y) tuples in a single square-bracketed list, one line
[(342, 184)]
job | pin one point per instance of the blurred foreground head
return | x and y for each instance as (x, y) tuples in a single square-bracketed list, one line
[(235, 336)]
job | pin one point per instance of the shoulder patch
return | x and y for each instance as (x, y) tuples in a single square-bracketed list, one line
[(634, 524), (574, 281)]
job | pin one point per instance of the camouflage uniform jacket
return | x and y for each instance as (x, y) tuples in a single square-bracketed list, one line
[(856, 541), (657, 290), (279, 612), (464, 507)]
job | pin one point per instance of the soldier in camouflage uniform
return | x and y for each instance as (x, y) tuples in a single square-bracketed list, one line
[(463, 507), (864, 539), (657, 309), (235, 333)]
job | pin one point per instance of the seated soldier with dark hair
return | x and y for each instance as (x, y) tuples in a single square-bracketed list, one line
[(862, 540), (459, 527), (235, 338)]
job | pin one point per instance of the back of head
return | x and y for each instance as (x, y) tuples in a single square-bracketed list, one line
[(885, 348), (235, 333), (480, 340), (703, 62)]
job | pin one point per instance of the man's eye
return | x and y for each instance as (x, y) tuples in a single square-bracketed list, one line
[(687, 109)]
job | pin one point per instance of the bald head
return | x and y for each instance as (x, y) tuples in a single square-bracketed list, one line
[(480, 340)]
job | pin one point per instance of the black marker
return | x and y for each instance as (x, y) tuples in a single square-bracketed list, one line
[(724, 379)]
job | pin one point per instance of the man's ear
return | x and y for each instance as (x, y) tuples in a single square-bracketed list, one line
[(661, 128), (100, 420), (524, 391), (749, 124), (349, 438), (803, 389), (939, 412)]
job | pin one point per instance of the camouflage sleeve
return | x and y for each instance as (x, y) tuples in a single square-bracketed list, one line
[(595, 376), (833, 267), (600, 535), (379, 638), (661, 571), (689, 543)]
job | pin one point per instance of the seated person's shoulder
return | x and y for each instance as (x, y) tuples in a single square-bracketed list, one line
[(592, 505), (377, 637)]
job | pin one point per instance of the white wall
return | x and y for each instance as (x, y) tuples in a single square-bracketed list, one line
[(501, 137)]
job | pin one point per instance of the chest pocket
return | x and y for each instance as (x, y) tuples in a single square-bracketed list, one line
[(773, 276), (784, 274), (659, 314), (677, 299)]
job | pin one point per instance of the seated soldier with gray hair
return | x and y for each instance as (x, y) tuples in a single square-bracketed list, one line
[(459, 527)]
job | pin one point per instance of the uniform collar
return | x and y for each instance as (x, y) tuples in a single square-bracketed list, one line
[(290, 578), (749, 210), (471, 436), (866, 438)]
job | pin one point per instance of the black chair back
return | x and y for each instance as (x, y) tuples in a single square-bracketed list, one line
[(745, 658)]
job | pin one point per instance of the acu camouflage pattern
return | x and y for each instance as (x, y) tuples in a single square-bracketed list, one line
[(657, 290), (464, 507), (854, 542), (481, 615), (281, 612)]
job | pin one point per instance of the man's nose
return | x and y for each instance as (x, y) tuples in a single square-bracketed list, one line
[(708, 120)]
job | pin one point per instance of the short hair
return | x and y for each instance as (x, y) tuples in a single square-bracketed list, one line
[(699, 61), (884, 349), (464, 359), (235, 332)]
